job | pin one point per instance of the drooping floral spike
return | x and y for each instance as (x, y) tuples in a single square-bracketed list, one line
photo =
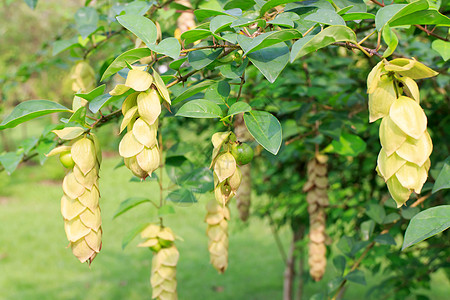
[(403, 161)]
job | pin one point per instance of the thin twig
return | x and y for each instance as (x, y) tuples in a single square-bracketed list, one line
[(277, 238), (418, 26)]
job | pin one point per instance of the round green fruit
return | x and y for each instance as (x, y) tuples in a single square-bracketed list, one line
[(242, 152), (165, 243), (156, 248), (67, 160), (238, 57)]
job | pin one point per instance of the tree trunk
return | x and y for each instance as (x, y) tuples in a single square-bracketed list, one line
[(289, 272), (301, 264)]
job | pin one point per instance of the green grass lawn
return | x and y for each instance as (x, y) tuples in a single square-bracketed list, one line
[(34, 263)]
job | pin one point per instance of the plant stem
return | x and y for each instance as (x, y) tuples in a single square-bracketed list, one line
[(277, 237)]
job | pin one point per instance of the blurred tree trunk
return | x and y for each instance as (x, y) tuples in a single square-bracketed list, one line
[(301, 266), (289, 271)]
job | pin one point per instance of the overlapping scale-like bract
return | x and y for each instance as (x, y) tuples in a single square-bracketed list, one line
[(163, 274), (80, 202), (317, 198), (227, 179), (217, 218), (403, 161), (82, 77), (141, 110)]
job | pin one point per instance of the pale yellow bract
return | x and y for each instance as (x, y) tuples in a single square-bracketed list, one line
[(317, 198), (163, 274), (403, 161)]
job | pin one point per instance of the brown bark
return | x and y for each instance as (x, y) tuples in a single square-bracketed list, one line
[(301, 265), (289, 273)]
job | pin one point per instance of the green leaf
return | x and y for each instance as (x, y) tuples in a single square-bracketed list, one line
[(196, 34), (191, 91), (242, 4), (280, 20), (424, 17), (29, 110), (385, 239), (31, 3), (135, 7), (358, 16), (326, 16), (86, 21), (141, 26), (334, 284), (367, 228), (129, 56), (239, 107), (265, 129), (199, 180), (392, 12), (409, 212), (62, 45), (271, 61), (200, 109), (443, 179), (177, 166), (392, 217), (102, 100), (356, 6), (28, 144), (176, 64), (271, 4), (168, 46), (391, 40), (267, 39), (128, 204), (376, 212), (442, 47), (356, 276), (332, 34), (79, 116), (165, 210), (232, 71), (348, 145), (202, 58), (181, 195), (339, 263), (130, 235), (92, 94), (44, 147), (426, 224), (10, 161), (218, 23), (345, 244), (202, 14), (245, 21), (218, 92)]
